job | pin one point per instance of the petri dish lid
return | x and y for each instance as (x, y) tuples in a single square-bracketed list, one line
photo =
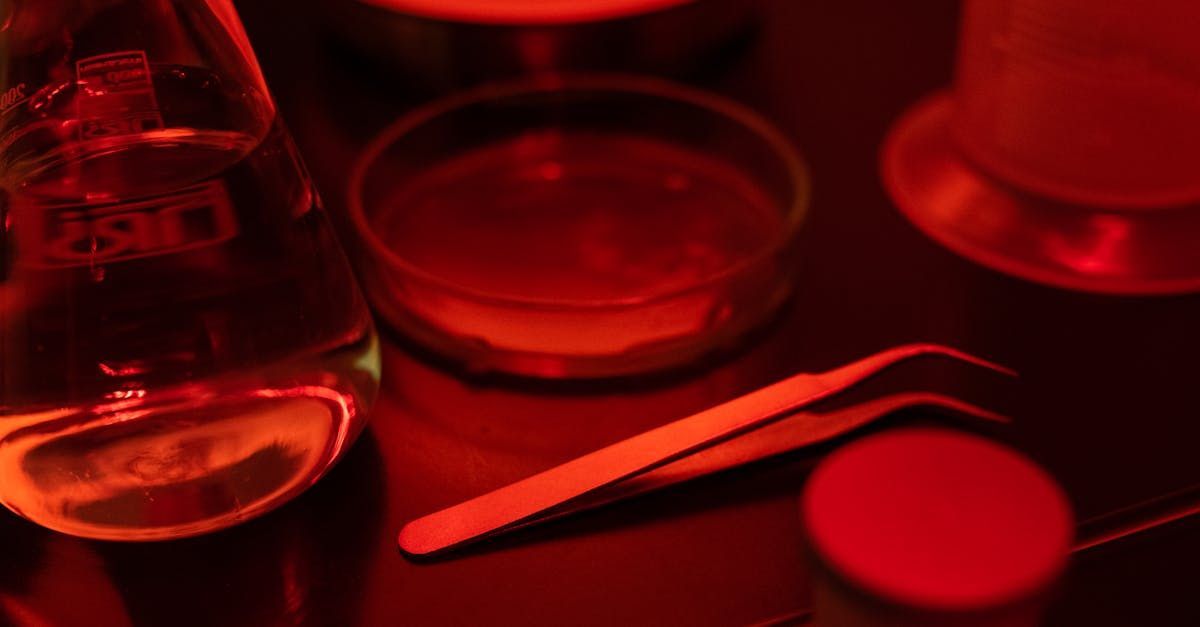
[(938, 520), (525, 12)]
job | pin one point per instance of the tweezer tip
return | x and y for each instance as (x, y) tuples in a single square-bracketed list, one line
[(926, 348), (413, 543), (949, 402)]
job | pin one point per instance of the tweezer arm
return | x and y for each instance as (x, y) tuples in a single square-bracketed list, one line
[(794, 431), (531, 497)]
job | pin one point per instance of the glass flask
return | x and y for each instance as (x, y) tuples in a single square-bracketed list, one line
[(184, 345)]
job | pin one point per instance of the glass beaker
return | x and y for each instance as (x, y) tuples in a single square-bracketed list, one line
[(184, 345), (1066, 151)]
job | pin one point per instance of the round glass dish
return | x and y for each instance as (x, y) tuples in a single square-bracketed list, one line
[(440, 45), (577, 227)]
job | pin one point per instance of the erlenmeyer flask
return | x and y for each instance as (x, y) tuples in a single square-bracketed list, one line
[(184, 346)]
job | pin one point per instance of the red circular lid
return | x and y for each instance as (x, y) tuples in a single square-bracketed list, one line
[(938, 520)]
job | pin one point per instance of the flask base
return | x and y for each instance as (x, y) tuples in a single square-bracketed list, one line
[(176, 463)]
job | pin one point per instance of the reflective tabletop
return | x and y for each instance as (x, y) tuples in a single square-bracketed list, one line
[(1106, 399)]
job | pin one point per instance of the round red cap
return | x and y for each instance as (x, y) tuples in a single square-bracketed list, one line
[(938, 520)]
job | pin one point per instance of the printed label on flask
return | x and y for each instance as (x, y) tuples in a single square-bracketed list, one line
[(116, 95), (13, 96), (88, 234)]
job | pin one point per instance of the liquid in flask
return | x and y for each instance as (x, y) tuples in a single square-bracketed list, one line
[(184, 343)]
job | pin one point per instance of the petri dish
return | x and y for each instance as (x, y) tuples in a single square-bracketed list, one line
[(578, 226)]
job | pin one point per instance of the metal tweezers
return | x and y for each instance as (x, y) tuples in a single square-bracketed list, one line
[(755, 426)]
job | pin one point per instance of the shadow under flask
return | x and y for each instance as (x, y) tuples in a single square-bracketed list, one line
[(184, 345)]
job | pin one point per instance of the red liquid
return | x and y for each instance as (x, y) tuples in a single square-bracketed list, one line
[(184, 344), (582, 244)]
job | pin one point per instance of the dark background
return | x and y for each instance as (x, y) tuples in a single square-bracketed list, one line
[(1107, 397)]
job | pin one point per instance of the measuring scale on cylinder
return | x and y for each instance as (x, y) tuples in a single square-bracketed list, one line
[(184, 346)]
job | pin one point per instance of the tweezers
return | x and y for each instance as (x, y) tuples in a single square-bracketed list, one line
[(567, 488)]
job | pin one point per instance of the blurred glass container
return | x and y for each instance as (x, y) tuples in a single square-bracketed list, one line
[(440, 44), (184, 344), (1067, 151), (579, 226)]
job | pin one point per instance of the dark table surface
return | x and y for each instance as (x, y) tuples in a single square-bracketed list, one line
[(1107, 398)]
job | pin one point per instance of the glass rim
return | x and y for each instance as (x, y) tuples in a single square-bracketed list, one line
[(524, 14), (793, 210)]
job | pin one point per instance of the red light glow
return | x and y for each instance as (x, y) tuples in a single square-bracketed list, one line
[(526, 11)]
